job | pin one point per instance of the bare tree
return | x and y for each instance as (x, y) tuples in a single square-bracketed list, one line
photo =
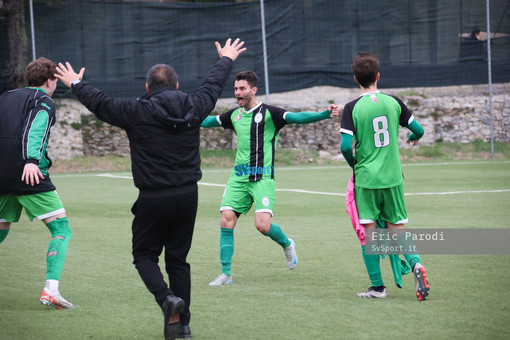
[(13, 12)]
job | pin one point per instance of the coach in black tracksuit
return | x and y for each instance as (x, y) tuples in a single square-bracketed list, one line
[(163, 131)]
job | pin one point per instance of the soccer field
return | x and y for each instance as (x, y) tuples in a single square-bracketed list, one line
[(317, 300)]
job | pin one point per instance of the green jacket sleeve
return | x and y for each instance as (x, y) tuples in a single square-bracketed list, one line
[(210, 121), (346, 149), (416, 130), (36, 137), (306, 117)]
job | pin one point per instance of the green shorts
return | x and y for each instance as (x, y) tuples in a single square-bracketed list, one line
[(386, 204), (239, 196), (38, 206)]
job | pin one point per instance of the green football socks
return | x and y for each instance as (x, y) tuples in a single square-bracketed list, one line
[(57, 249), (226, 250), (372, 265), (227, 245), (406, 243), (412, 259), (3, 234), (276, 234)]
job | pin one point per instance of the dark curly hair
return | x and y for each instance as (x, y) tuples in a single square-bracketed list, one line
[(40, 70), (365, 68), (250, 77)]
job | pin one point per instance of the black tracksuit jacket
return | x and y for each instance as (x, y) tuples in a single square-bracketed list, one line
[(26, 117), (163, 128)]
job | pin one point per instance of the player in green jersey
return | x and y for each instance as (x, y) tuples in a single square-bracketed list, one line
[(257, 126), (373, 120), (26, 117)]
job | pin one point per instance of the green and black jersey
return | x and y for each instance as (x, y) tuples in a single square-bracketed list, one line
[(257, 133), (373, 120), (26, 117)]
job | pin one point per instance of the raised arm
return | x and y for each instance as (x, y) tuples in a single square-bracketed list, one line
[(306, 117), (205, 97), (231, 50), (65, 73), (112, 110)]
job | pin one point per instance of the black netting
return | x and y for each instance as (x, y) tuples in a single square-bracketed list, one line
[(309, 42)]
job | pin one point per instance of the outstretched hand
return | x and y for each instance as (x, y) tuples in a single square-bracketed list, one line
[(231, 50), (333, 109), (67, 75)]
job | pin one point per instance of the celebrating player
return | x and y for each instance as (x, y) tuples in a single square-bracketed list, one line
[(373, 120), (257, 126), (26, 117)]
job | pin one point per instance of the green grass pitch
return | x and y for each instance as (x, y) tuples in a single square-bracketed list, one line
[(317, 300)]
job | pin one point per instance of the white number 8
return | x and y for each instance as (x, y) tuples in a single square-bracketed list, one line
[(381, 134)]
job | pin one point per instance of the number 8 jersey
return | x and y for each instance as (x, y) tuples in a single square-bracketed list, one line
[(373, 120)]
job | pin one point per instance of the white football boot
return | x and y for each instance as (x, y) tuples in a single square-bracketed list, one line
[(290, 255), (222, 279)]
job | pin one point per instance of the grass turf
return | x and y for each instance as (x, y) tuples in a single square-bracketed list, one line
[(317, 300)]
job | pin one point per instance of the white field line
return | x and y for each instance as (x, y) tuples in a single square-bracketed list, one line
[(406, 194), (286, 190), (346, 166), (291, 168), (115, 176), (333, 193), (404, 165), (455, 192), (457, 163)]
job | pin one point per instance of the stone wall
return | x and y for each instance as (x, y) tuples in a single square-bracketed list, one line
[(448, 114), (66, 139)]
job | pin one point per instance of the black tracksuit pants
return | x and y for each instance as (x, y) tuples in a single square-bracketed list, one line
[(165, 222)]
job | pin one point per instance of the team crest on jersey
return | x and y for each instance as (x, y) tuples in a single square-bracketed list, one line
[(258, 118), (238, 118), (373, 98)]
